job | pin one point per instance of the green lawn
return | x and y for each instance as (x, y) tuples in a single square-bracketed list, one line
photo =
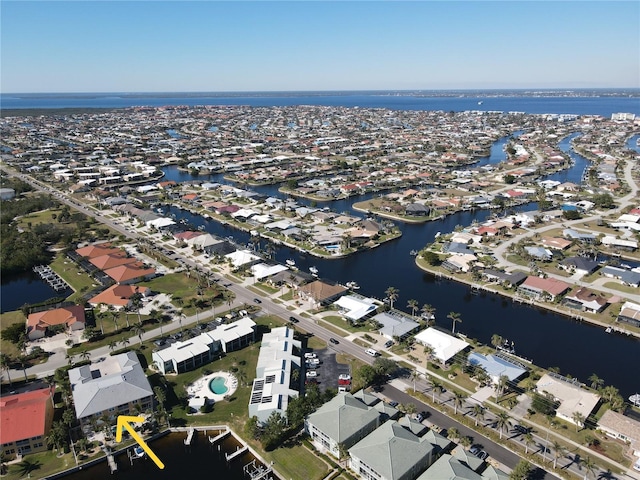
[(36, 218), (6, 319), (296, 461), (42, 465), (76, 277)]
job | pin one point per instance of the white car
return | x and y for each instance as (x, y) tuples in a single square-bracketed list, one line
[(312, 361), (312, 373), (310, 355)]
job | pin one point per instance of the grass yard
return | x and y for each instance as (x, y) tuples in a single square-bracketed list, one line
[(296, 461), (79, 280), (7, 319), (37, 218), (39, 465)]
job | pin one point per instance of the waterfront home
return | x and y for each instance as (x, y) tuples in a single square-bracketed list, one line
[(610, 241), (585, 300), (131, 273), (556, 243), (629, 313), (444, 346), (505, 278), (626, 429), (537, 287), (274, 384), (97, 250), (539, 253), (26, 419), (114, 386), (340, 423), (40, 324), (320, 292), (571, 396), (497, 366), (579, 236), (391, 452)]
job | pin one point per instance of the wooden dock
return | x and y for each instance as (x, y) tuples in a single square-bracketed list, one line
[(238, 452), (113, 466), (189, 438), (213, 440)]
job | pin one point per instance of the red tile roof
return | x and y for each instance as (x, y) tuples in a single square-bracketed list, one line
[(103, 262), (118, 295), (130, 271), (24, 415), (59, 316), (550, 285), (92, 251)]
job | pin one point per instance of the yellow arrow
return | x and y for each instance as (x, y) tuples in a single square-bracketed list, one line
[(123, 422)]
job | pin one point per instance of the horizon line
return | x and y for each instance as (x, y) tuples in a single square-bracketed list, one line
[(410, 90)]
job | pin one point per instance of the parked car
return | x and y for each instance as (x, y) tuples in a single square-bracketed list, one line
[(313, 361), (257, 300), (482, 455), (388, 343), (293, 319), (311, 373), (394, 404), (334, 341), (372, 352), (475, 449), (419, 417), (310, 355)]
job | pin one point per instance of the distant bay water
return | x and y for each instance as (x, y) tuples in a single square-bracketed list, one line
[(601, 103)]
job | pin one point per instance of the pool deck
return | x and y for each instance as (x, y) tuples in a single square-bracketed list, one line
[(200, 388)]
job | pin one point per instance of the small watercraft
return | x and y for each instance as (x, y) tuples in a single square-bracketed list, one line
[(138, 451), (290, 262), (313, 270)]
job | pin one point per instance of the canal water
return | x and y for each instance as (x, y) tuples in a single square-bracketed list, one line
[(549, 339), (199, 460), (26, 287)]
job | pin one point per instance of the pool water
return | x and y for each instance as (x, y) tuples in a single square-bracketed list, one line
[(217, 385)]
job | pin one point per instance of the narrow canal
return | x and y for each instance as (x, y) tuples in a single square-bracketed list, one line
[(549, 339)]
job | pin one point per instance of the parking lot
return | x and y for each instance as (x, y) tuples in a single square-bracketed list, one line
[(329, 369)]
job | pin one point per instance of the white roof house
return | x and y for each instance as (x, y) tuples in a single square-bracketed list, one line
[(159, 223), (444, 345), (241, 257), (496, 366), (271, 388), (262, 270), (233, 336), (110, 387), (572, 397), (355, 307)]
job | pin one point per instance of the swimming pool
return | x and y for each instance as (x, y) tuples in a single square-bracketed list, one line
[(218, 385)]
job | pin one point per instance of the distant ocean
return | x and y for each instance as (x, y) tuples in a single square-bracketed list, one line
[(603, 102)]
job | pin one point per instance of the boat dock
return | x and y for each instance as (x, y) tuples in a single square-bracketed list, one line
[(213, 440), (113, 466), (257, 472), (187, 441), (52, 278), (238, 452)]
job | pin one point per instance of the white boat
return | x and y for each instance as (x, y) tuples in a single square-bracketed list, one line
[(353, 285), (138, 451), (608, 329), (437, 235), (413, 253), (291, 263), (480, 102), (635, 399), (313, 270)]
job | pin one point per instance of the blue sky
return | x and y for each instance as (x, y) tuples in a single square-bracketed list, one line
[(120, 46)]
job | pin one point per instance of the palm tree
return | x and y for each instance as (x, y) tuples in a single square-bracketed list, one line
[(69, 357), (139, 331), (458, 400), (496, 340), (428, 312), (413, 377), (478, 412), (392, 294), (453, 433), (578, 419), (112, 345), (435, 385), (501, 385), (455, 318), (596, 382), (465, 442), (136, 303), (528, 440), (428, 351), (502, 422), (124, 342), (558, 451), (84, 355), (114, 316), (589, 466), (413, 305), (5, 365)]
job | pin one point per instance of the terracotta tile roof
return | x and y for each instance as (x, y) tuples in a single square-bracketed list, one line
[(550, 285), (24, 415), (118, 295), (130, 271), (98, 250), (59, 316), (104, 262)]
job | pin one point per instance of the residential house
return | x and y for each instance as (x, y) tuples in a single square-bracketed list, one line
[(585, 300), (395, 324), (41, 323), (580, 265), (26, 419), (356, 307), (131, 273), (444, 345), (626, 429), (572, 397), (629, 313), (119, 296), (114, 386), (537, 287), (628, 277), (497, 366), (320, 292)]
